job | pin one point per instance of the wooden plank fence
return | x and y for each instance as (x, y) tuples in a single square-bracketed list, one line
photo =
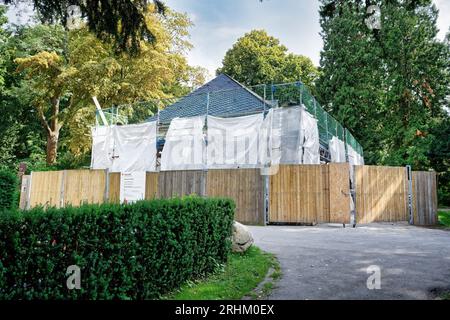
[(245, 186), (381, 194), (424, 187), (299, 194)]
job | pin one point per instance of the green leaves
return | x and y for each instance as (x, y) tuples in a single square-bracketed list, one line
[(258, 58), (133, 251), (388, 87), (8, 189)]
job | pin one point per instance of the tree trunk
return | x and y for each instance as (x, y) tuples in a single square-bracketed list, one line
[(52, 128), (52, 146)]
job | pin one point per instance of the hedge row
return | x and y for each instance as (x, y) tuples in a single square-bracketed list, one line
[(134, 251), (8, 189)]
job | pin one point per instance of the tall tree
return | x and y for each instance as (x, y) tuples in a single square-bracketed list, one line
[(258, 58), (388, 81), (387, 85), (63, 83), (124, 20)]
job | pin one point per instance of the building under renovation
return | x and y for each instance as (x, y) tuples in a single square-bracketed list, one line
[(222, 125)]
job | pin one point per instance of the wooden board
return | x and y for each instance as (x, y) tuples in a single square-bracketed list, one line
[(151, 185), (381, 194), (84, 187), (299, 194), (46, 189), (245, 187), (24, 191), (424, 198), (339, 192), (114, 187), (180, 183)]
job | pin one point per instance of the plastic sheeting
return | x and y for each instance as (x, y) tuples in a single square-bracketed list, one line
[(184, 148), (337, 150), (239, 142), (124, 148), (295, 137), (353, 157), (134, 147), (309, 139), (102, 147)]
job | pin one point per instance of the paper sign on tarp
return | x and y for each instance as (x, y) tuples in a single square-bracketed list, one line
[(132, 186), (184, 148)]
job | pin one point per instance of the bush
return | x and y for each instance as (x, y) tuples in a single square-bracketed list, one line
[(133, 251), (8, 189)]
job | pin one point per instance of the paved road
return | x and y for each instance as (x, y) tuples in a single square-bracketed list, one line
[(330, 262)]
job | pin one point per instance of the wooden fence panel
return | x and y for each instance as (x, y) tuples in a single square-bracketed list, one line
[(151, 185), (46, 188), (180, 183), (245, 187), (381, 194), (339, 190), (114, 187), (84, 186), (424, 198), (298, 194)]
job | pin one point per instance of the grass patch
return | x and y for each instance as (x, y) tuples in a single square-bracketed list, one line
[(444, 217), (238, 278)]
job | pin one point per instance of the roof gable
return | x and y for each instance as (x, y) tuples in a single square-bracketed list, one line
[(227, 97)]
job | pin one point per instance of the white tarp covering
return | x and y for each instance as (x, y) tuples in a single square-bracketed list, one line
[(124, 148), (239, 142), (295, 137), (134, 148), (184, 148), (102, 147), (337, 150), (309, 138), (286, 136), (353, 157)]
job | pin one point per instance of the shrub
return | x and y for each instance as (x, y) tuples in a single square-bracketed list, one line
[(8, 189), (133, 251)]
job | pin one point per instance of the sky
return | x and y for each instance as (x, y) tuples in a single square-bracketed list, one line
[(219, 23)]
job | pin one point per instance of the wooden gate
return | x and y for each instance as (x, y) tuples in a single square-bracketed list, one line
[(245, 187), (299, 194), (381, 194), (181, 183), (424, 200), (339, 192)]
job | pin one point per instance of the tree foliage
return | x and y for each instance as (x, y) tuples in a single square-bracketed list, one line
[(124, 21), (54, 73), (387, 85), (258, 58)]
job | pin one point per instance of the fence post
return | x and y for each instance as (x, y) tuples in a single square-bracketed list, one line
[(106, 194), (62, 191), (410, 195), (30, 181)]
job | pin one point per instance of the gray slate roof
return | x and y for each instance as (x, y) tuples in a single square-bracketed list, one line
[(227, 98)]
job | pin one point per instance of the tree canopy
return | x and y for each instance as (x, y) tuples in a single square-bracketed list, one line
[(258, 58), (124, 20), (54, 73), (388, 85)]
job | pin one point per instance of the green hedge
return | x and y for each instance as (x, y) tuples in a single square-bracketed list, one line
[(134, 251), (8, 189)]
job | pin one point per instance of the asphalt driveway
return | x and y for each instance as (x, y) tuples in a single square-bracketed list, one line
[(330, 262)]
